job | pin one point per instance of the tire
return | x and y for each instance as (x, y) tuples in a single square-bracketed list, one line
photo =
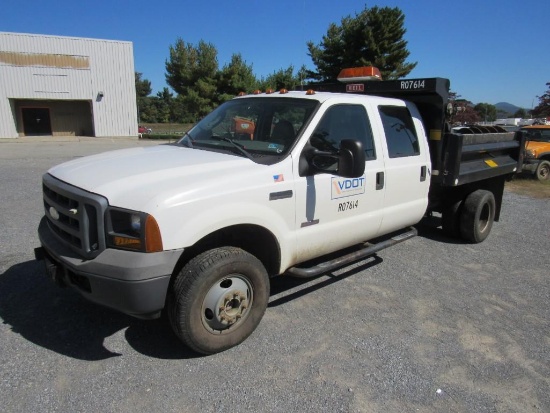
[(543, 171), (477, 216), (218, 299), (450, 219)]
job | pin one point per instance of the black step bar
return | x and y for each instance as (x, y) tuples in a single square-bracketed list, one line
[(370, 249)]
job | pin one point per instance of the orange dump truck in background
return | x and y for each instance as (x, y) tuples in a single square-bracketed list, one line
[(537, 151)]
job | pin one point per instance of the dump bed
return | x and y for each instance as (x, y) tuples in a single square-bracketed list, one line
[(473, 153)]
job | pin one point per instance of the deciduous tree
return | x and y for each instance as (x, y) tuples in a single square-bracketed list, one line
[(520, 113), (486, 112), (543, 108), (464, 112)]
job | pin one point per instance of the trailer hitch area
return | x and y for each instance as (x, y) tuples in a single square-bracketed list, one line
[(368, 250)]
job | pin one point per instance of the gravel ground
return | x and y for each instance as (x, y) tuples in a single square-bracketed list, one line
[(430, 325)]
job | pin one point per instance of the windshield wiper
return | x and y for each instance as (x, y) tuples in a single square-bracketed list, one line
[(239, 147)]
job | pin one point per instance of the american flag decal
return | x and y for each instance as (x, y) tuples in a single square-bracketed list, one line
[(278, 178)]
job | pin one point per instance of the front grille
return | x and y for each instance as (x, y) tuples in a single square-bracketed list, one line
[(75, 216)]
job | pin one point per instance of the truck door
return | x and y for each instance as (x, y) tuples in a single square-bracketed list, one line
[(407, 166), (334, 212)]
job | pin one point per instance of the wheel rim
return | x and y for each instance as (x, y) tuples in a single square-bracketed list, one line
[(226, 304), (484, 217), (544, 172)]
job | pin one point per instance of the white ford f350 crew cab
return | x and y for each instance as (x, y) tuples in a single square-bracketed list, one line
[(260, 187)]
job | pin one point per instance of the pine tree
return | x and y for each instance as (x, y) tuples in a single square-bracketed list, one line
[(234, 78), (373, 37), (192, 72)]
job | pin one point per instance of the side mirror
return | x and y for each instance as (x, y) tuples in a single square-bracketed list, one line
[(351, 159), (348, 162)]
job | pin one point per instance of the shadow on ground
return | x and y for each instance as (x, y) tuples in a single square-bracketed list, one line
[(64, 322)]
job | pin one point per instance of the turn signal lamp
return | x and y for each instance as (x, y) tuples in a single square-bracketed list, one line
[(153, 239), (359, 74)]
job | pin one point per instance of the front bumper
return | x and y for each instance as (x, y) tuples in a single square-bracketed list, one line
[(530, 165), (134, 283)]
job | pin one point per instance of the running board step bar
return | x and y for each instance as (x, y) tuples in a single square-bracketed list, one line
[(370, 249)]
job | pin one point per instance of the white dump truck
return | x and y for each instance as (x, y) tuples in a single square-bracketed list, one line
[(259, 188)]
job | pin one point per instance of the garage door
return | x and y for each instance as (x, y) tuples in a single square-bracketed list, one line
[(36, 121), (54, 117)]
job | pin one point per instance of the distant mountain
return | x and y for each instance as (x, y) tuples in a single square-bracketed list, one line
[(507, 107)]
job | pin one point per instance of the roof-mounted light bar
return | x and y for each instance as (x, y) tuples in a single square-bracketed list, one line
[(359, 74)]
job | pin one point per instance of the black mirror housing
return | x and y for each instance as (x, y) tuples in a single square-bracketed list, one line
[(351, 159), (348, 162)]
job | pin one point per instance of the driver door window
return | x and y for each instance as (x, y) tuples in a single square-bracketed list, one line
[(344, 122)]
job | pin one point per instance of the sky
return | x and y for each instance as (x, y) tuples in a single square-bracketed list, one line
[(492, 51)]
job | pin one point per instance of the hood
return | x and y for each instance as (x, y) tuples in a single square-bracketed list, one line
[(133, 178), (538, 147)]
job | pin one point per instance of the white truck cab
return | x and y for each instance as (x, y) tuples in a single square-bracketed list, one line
[(264, 183)]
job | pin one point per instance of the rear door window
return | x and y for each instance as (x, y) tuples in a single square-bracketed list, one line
[(400, 131)]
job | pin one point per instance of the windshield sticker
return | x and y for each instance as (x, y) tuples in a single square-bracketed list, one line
[(344, 187), (278, 178)]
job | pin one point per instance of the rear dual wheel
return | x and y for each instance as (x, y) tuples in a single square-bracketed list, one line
[(477, 216), (218, 299)]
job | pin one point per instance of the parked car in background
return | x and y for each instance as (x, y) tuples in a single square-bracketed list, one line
[(143, 130), (537, 151)]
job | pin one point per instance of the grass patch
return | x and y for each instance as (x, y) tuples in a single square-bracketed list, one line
[(526, 185), (174, 129)]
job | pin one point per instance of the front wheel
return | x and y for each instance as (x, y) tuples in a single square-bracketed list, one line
[(477, 216), (218, 299), (543, 171)]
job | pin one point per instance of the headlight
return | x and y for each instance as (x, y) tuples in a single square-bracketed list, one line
[(132, 230), (529, 153)]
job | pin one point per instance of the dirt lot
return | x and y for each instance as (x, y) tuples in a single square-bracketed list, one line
[(431, 325)]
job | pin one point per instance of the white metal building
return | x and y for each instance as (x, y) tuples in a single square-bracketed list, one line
[(53, 85)]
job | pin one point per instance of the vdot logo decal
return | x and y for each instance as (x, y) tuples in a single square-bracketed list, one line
[(343, 187)]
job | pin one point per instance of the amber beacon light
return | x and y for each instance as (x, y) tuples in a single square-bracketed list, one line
[(359, 74)]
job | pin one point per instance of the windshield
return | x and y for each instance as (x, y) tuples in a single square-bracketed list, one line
[(255, 127), (540, 135)]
